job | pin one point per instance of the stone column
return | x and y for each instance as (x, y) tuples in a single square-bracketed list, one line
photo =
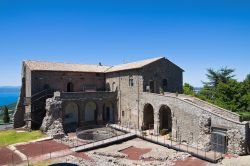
[(156, 122), (81, 114), (99, 113)]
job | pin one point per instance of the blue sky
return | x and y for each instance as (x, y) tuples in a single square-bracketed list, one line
[(195, 35)]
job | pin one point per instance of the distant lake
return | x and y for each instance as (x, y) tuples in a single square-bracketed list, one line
[(8, 98)]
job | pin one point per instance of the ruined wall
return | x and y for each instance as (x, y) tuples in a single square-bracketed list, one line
[(52, 123), (191, 123), (163, 69), (56, 110), (18, 116)]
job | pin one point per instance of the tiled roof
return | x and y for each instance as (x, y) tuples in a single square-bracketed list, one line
[(55, 66), (133, 65)]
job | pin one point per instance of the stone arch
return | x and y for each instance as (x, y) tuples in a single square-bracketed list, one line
[(71, 114), (165, 118), (90, 111), (70, 87), (148, 116), (108, 112)]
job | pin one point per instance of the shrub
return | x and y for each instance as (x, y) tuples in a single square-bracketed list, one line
[(161, 91), (163, 131), (144, 133)]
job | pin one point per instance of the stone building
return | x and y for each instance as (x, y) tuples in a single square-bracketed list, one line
[(127, 94)]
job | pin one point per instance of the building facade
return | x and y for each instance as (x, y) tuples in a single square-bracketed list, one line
[(127, 94)]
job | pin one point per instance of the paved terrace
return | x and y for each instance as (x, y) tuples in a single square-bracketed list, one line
[(211, 156), (106, 142)]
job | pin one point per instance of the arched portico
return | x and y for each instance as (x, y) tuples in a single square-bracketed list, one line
[(148, 117)]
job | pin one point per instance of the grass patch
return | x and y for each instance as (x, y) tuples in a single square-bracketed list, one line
[(9, 137), (42, 163)]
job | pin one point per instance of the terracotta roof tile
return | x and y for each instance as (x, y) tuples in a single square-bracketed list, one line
[(133, 65), (55, 66)]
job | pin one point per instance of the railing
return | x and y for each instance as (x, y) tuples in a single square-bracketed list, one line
[(37, 96), (176, 144), (42, 94)]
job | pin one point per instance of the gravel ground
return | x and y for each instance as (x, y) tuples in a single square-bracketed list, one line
[(113, 156), (234, 161)]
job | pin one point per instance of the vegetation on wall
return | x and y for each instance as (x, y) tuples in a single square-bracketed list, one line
[(225, 91)]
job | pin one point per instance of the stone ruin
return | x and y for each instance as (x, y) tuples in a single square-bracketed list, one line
[(52, 122)]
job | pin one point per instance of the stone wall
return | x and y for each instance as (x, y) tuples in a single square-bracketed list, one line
[(214, 108), (128, 96), (163, 69), (52, 123), (59, 80), (191, 123), (18, 117)]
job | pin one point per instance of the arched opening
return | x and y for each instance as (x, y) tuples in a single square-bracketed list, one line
[(71, 116), (108, 113), (90, 112), (113, 87), (70, 87), (148, 117), (165, 118)]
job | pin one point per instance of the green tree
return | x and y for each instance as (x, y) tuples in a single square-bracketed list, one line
[(215, 77), (6, 117), (245, 99), (188, 89)]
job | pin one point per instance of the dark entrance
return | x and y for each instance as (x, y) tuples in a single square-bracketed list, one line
[(219, 141), (165, 118), (70, 87), (107, 114), (148, 117), (152, 86)]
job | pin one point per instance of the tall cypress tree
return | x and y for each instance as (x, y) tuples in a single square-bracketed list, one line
[(6, 117)]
